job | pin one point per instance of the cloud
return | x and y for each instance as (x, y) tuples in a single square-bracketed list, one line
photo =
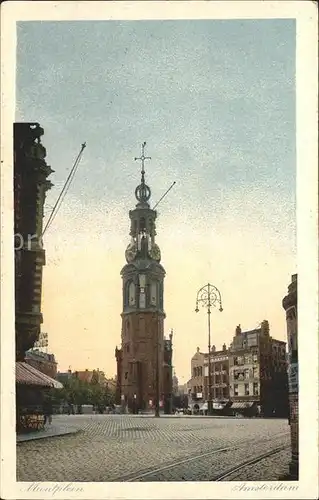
[(215, 103)]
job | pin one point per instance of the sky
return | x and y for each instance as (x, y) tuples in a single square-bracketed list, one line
[(215, 102)]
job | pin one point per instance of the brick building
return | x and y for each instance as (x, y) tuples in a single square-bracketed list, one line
[(144, 358), (42, 361), (258, 372), (219, 362), (198, 384), (30, 186), (290, 305), (88, 376)]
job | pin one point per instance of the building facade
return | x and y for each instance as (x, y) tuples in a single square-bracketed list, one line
[(197, 381), (199, 388), (42, 361), (144, 358), (258, 372), (30, 186), (219, 365), (290, 305), (97, 376)]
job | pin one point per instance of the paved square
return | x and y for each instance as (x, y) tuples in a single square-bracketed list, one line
[(124, 447)]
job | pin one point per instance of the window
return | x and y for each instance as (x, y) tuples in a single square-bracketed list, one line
[(142, 300), (126, 375), (131, 293), (154, 293), (128, 348), (236, 389), (246, 389), (240, 360), (255, 372), (239, 375), (255, 389), (252, 340), (248, 359), (255, 358), (246, 373)]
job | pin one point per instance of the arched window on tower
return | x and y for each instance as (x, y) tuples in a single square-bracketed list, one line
[(132, 297), (129, 294), (154, 293), (160, 295), (126, 293), (142, 225)]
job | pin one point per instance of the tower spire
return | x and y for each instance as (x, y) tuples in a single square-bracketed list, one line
[(142, 158), (143, 192)]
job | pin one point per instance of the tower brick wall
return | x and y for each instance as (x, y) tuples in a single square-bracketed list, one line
[(144, 376)]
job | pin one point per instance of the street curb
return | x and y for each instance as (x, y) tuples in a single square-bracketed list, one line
[(35, 437)]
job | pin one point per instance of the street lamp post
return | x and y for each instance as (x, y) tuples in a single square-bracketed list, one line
[(209, 296)]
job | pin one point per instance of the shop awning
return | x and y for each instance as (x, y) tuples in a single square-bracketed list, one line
[(218, 406), (204, 407), (240, 405), (27, 374)]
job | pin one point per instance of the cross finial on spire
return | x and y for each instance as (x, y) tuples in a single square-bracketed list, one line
[(143, 158)]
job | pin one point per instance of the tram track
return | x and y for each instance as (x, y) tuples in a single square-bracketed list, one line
[(248, 463), (243, 445)]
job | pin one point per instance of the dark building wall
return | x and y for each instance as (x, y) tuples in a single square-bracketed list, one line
[(267, 369), (290, 305), (167, 395), (118, 357), (30, 186)]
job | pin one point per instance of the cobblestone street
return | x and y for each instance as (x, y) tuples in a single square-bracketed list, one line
[(142, 448)]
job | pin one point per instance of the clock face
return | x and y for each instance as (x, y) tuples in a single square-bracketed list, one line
[(155, 253), (130, 252)]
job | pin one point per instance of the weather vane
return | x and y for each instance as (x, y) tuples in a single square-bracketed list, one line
[(142, 158)]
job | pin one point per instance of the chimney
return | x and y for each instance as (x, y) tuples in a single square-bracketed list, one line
[(265, 327), (197, 349), (238, 330)]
